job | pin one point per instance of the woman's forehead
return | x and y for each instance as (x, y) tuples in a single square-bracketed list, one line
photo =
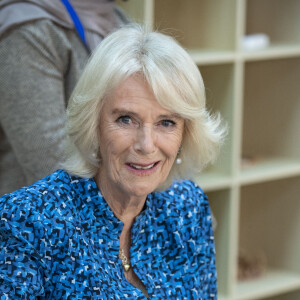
[(134, 96)]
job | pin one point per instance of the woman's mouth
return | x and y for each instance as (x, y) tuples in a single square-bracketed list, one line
[(139, 167), (143, 169)]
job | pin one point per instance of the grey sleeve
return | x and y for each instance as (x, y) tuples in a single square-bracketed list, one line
[(32, 100)]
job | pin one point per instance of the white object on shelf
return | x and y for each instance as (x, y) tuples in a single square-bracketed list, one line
[(256, 41)]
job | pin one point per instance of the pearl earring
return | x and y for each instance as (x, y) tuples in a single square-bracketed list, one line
[(178, 159)]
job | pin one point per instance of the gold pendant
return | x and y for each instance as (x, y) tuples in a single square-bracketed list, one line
[(126, 267), (124, 260)]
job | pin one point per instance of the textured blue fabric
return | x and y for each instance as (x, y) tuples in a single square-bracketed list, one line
[(60, 240)]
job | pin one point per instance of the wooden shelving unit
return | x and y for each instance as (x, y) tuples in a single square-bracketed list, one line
[(254, 188)]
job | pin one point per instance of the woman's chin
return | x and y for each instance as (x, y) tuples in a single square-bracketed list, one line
[(141, 190)]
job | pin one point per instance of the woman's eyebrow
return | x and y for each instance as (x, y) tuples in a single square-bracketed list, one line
[(170, 116), (118, 111)]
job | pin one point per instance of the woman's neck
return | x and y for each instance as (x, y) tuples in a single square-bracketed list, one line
[(125, 207)]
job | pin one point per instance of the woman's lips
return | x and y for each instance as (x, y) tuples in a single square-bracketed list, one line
[(142, 169)]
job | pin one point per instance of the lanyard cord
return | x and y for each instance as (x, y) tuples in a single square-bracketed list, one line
[(77, 23)]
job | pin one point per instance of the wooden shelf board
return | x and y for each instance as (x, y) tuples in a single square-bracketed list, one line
[(274, 282), (213, 56), (273, 51), (269, 169), (213, 181)]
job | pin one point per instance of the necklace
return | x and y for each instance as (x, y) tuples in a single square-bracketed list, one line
[(124, 260), (133, 279)]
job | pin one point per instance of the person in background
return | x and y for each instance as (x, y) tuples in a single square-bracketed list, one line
[(44, 45), (123, 219)]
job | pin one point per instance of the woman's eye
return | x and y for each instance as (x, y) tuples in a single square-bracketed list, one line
[(124, 120), (167, 123)]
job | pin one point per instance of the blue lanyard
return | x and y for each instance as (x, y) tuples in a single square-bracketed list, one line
[(77, 23)]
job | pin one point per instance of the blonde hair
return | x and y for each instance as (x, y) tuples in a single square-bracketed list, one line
[(176, 83)]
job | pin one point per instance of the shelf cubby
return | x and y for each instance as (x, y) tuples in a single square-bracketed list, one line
[(271, 112), (268, 236), (218, 81), (198, 25), (278, 19)]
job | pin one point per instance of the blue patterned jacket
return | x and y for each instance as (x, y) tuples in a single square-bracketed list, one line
[(60, 240)]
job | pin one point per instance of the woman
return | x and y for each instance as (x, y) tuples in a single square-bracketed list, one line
[(112, 225)]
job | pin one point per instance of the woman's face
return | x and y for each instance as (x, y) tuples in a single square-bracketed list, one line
[(139, 140)]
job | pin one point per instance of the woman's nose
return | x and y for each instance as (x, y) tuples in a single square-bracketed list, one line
[(145, 141)]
